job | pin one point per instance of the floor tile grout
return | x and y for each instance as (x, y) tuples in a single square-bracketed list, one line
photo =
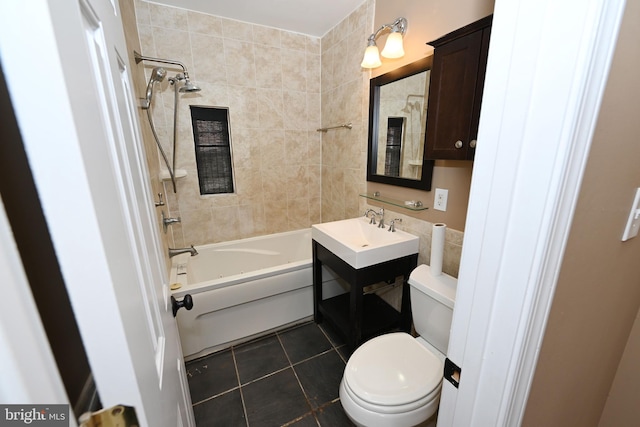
[(215, 395), (291, 365), (244, 407), (312, 412)]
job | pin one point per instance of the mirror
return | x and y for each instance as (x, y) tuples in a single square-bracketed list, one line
[(397, 127)]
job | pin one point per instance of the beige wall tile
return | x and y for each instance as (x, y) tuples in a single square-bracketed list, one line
[(208, 53), (240, 63), (294, 70), (294, 41), (168, 17), (266, 36), (269, 63), (237, 30), (294, 110), (204, 24), (270, 109)]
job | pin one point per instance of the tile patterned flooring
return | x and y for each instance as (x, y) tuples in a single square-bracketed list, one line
[(287, 378)]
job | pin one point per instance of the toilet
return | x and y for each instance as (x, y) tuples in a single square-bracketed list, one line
[(394, 380)]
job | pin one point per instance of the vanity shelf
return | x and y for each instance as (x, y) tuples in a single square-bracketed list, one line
[(378, 316), (394, 202), (355, 316)]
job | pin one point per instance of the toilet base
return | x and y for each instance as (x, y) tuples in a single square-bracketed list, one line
[(362, 417)]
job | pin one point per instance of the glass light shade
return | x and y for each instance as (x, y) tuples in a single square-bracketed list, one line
[(393, 48), (371, 57)]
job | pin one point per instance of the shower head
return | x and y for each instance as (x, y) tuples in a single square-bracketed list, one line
[(186, 87), (189, 87), (157, 75)]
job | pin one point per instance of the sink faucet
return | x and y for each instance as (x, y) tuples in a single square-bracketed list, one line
[(177, 251), (373, 217), (392, 224)]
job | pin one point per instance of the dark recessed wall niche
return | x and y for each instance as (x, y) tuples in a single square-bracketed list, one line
[(212, 139)]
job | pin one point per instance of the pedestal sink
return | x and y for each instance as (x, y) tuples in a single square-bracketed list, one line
[(362, 254), (361, 244)]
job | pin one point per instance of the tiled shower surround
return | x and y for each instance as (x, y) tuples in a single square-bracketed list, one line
[(270, 81), (279, 87)]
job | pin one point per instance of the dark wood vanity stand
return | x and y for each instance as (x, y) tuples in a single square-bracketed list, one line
[(355, 316), (455, 92)]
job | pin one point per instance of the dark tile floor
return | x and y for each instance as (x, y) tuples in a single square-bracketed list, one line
[(288, 378)]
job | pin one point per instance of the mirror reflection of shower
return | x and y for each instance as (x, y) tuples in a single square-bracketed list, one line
[(182, 84), (414, 154)]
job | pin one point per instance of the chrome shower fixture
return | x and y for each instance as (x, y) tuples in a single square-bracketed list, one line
[(157, 75), (187, 86), (184, 76)]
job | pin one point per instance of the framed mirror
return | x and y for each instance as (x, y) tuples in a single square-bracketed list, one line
[(397, 127)]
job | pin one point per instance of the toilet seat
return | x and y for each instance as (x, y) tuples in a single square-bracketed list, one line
[(393, 373), (391, 409)]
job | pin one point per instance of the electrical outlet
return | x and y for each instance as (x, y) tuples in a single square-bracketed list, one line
[(440, 199)]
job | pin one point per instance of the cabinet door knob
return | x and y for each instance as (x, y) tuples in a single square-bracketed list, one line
[(458, 144), (472, 144)]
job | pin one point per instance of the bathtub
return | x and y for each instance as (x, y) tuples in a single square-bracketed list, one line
[(244, 288)]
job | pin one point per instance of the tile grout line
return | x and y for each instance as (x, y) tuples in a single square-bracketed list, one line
[(332, 343), (235, 365), (313, 412), (291, 365), (215, 395), (277, 371)]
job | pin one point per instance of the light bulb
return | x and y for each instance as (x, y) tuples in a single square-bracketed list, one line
[(371, 57), (393, 48)]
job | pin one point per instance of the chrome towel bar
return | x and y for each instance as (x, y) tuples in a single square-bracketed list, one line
[(346, 125)]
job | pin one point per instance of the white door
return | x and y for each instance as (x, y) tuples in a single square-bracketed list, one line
[(540, 104), (69, 79)]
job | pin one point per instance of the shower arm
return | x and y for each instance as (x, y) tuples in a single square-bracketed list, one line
[(139, 58)]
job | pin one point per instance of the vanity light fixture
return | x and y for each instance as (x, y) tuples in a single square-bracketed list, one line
[(392, 49)]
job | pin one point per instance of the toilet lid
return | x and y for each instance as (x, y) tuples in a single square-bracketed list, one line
[(393, 369)]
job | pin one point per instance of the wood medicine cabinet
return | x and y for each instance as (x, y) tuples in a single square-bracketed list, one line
[(457, 81)]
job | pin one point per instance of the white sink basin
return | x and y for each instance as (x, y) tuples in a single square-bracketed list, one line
[(361, 244)]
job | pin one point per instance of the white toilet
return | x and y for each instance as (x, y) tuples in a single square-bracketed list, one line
[(394, 380)]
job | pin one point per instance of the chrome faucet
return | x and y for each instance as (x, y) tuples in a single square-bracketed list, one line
[(381, 213), (177, 251), (373, 217), (392, 224)]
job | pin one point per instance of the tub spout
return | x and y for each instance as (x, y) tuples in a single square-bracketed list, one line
[(177, 251)]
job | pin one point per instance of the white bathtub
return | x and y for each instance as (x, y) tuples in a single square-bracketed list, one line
[(244, 288)]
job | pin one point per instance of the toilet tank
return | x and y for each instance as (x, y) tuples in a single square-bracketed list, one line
[(432, 299)]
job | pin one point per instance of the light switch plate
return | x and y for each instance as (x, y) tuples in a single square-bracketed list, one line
[(633, 223), (440, 199)]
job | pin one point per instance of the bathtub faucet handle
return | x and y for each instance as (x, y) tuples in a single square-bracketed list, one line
[(166, 221)]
